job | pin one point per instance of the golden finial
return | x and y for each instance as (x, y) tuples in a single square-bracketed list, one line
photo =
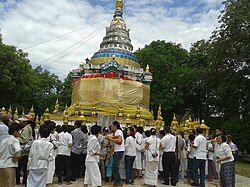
[(41, 120), (56, 106), (119, 5), (66, 110), (10, 110), (128, 120), (93, 111), (16, 114), (77, 108), (66, 117), (81, 117), (147, 68), (159, 120), (120, 113), (190, 118), (46, 116), (23, 114), (32, 112), (138, 112), (174, 124), (3, 112), (159, 113), (174, 118), (37, 120), (81, 65)]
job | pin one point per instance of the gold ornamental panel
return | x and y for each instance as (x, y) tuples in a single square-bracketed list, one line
[(115, 91)]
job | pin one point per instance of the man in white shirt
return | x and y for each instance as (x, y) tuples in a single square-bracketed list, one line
[(10, 150), (200, 157), (41, 153), (63, 155), (168, 145), (119, 149)]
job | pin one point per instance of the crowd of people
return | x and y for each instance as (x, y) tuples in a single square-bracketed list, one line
[(112, 154)]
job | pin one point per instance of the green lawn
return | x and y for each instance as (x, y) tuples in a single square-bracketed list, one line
[(242, 168)]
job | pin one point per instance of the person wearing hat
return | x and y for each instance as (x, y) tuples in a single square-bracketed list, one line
[(26, 139)]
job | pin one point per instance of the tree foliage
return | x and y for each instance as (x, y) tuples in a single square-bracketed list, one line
[(22, 86)]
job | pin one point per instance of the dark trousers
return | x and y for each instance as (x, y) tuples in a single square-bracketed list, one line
[(199, 164), (129, 161), (169, 168), (22, 166), (190, 168), (83, 167), (115, 169), (75, 166), (63, 165)]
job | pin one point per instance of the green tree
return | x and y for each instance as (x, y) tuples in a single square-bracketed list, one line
[(67, 89), (22, 86), (15, 77), (231, 58), (46, 89)]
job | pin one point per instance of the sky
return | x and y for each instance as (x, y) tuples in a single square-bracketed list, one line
[(69, 31)]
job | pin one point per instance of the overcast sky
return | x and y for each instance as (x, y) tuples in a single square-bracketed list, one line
[(25, 23)]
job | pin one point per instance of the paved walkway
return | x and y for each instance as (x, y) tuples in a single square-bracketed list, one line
[(240, 182)]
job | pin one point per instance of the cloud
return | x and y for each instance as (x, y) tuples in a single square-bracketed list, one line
[(24, 23)]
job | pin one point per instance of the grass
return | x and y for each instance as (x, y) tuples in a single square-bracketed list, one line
[(242, 168)]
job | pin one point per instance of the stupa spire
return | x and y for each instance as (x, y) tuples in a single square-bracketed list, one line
[(118, 8)]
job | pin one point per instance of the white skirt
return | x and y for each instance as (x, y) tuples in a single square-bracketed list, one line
[(138, 161), (151, 173), (51, 172), (37, 178), (92, 174)]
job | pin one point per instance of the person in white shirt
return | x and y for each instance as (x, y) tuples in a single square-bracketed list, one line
[(53, 138), (232, 145), (92, 173), (41, 153), (130, 153), (168, 145), (3, 131), (63, 154), (226, 159), (10, 150), (200, 157), (139, 149), (212, 172), (119, 149), (152, 163)]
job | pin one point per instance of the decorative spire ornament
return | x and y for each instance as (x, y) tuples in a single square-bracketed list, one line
[(16, 115), (56, 106)]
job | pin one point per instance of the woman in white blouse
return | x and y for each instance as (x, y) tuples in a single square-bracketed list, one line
[(226, 159), (92, 173)]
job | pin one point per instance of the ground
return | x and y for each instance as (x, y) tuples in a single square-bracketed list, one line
[(240, 182)]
